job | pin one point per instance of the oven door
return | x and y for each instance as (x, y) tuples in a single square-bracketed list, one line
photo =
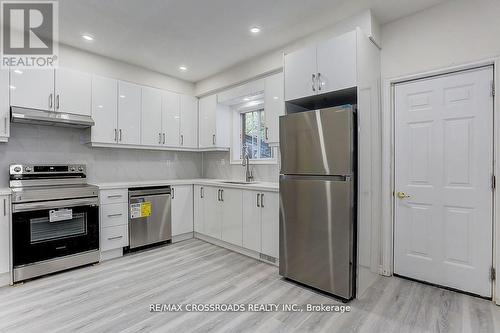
[(52, 229)]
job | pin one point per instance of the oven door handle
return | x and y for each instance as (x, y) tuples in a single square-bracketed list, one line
[(31, 206)]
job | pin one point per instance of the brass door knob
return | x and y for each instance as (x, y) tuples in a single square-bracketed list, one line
[(402, 195)]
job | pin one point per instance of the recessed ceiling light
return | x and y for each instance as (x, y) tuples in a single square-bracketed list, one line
[(246, 99), (18, 71), (183, 68), (87, 37), (122, 96), (255, 30), (275, 97)]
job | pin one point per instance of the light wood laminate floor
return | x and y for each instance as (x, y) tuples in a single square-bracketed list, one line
[(115, 296)]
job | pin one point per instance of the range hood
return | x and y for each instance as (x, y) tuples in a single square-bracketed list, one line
[(49, 118)]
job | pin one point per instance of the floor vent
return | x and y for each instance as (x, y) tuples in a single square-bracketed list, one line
[(268, 258)]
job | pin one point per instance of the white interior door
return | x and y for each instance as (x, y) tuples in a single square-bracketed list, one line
[(444, 164)]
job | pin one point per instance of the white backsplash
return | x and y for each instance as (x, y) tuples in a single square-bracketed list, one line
[(47, 144), (217, 165)]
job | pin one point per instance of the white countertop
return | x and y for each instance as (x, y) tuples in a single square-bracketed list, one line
[(4, 191), (259, 186)]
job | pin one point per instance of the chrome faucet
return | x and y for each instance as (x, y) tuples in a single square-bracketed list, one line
[(246, 163)]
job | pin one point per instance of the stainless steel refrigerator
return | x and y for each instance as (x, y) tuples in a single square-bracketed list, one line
[(317, 199)]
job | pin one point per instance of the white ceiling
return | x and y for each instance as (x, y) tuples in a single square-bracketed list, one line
[(207, 36)]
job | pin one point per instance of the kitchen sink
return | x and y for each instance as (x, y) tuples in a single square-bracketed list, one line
[(237, 182)]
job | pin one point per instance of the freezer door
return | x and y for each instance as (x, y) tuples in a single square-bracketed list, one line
[(317, 142), (316, 233)]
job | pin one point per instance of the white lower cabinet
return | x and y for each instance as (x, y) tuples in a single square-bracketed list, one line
[(113, 220), (252, 220), (246, 218), (213, 212), (231, 201), (269, 205), (182, 209), (4, 236)]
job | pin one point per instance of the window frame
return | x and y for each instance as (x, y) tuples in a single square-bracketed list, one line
[(237, 137)]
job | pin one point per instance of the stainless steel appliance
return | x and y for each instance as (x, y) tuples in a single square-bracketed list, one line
[(55, 219), (317, 199), (50, 118), (149, 216)]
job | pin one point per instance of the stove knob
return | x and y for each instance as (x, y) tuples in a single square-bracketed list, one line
[(80, 168), (72, 169), (27, 169), (17, 169)]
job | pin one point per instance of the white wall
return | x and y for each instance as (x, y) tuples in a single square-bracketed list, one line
[(273, 61), (454, 32), (92, 63)]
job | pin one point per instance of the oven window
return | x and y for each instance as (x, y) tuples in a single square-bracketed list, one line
[(42, 229)]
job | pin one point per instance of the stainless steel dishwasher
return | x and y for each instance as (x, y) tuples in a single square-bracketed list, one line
[(150, 219)]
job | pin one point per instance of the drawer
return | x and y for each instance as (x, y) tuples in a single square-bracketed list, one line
[(114, 237), (113, 196), (114, 214)]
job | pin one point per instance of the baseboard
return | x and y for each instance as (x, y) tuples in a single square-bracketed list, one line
[(5, 279), (111, 254), (182, 237), (236, 248)]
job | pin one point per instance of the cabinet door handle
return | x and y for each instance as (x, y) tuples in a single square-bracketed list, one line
[(182, 140), (50, 101), (218, 195), (173, 193), (159, 138), (57, 102), (120, 131), (116, 237), (115, 196), (213, 139), (201, 192), (5, 124), (314, 82), (267, 133), (262, 200), (4, 207), (222, 195), (115, 215), (319, 81), (116, 134), (258, 198)]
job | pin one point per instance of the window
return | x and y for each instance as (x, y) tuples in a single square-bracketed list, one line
[(253, 135)]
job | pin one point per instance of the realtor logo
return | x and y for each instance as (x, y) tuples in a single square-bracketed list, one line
[(29, 34)]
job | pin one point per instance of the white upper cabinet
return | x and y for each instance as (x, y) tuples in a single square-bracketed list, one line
[(182, 209), (300, 73), (207, 120), (129, 113), (4, 105), (171, 118), (151, 123), (337, 63), (274, 106), (214, 124), (188, 121), (104, 110), (32, 88), (72, 92), (326, 67)]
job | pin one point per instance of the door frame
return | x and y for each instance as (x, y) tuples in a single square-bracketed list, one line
[(388, 164)]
